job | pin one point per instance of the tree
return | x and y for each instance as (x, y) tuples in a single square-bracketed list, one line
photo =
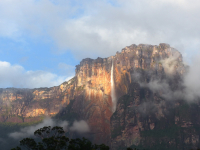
[(85, 144), (52, 139), (55, 139)]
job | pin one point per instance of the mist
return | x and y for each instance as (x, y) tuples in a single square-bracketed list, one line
[(78, 126), (190, 82)]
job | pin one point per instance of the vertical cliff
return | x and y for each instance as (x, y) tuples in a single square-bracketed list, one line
[(148, 113)]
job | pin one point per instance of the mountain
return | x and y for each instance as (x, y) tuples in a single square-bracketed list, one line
[(132, 99)]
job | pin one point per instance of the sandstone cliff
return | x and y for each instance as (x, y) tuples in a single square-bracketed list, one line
[(147, 111)]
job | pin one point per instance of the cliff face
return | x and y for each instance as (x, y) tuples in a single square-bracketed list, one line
[(150, 112), (147, 112), (87, 95)]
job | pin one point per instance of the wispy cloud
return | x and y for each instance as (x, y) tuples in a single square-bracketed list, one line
[(78, 126), (192, 80), (28, 131), (187, 89)]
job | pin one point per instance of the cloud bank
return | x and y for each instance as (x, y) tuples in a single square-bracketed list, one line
[(78, 126), (189, 87), (17, 76), (87, 30), (192, 80)]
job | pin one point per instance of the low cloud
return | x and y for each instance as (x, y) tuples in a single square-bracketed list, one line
[(28, 131), (147, 108), (78, 126), (192, 80), (163, 88), (189, 87), (17, 76), (170, 63), (157, 85)]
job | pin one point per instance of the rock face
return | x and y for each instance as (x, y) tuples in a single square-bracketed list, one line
[(148, 113)]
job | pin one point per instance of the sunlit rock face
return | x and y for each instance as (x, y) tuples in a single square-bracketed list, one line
[(147, 111), (19, 105), (95, 106)]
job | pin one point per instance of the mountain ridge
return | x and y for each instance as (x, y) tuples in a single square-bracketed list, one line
[(144, 77)]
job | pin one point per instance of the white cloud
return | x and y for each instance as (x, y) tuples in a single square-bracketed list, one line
[(170, 63), (17, 76), (189, 86), (112, 28), (192, 80), (78, 126), (29, 131), (90, 31)]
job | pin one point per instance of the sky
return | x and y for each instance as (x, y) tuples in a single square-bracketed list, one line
[(41, 41)]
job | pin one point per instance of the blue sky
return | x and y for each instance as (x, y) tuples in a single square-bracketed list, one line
[(35, 55), (41, 41)]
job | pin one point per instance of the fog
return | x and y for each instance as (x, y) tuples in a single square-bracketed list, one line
[(78, 126), (190, 82)]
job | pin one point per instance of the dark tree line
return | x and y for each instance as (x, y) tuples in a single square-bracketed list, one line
[(55, 139)]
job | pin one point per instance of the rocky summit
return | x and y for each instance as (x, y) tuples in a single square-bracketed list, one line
[(132, 99)]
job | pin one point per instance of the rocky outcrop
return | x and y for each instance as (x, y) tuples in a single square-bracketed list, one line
[(144, 77), (148, 112)]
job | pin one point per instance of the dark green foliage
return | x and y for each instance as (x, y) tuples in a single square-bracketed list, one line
[(131, 148), (17, 148), (52, 139), (78, 144), (46, 132), (102, 147), (28, 143), (55, 139)]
